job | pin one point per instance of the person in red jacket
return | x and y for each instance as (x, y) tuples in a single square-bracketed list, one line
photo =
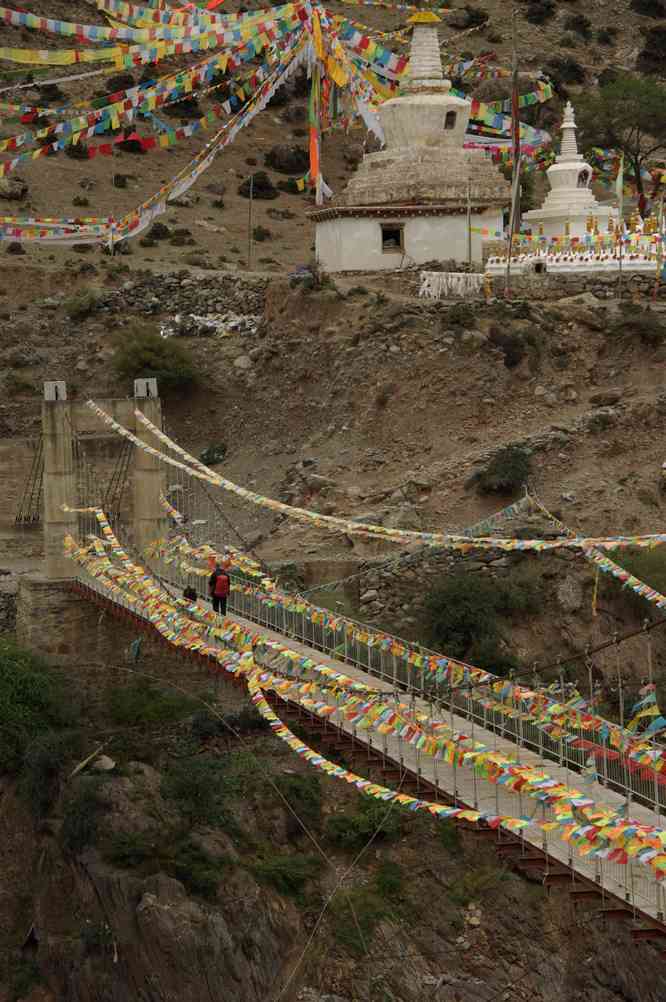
[(218, 588)]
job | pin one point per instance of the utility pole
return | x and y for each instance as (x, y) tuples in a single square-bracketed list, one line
[(515, 132), (249, 225), (469, 224)]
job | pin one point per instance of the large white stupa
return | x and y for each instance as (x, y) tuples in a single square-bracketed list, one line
[(407, 204), (570, 203)]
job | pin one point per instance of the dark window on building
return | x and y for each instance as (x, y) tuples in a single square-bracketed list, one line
[(393, 238), (540, 268), (450, 120)]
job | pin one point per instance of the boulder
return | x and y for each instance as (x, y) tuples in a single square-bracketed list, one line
[(570, 594), (104, 764), (159, 231), (243, 362), (119, 82), (288, 159), (262, 186), (606, 398), (471, 341), (13, 189), (183, 201)]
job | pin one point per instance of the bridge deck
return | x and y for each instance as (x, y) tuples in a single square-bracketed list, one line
[(631, 883), (629, 889)]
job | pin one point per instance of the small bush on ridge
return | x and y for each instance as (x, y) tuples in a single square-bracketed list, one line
[(142, 353), (506, 472)]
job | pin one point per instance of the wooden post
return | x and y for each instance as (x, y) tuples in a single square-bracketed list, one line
[(249, 225)]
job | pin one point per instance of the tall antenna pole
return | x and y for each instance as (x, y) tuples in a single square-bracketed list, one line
[(660, 248), (249, 225), (515, 132), (469, 223)]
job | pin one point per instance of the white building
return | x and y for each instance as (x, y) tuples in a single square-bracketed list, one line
[(407, 204), (570, 202)]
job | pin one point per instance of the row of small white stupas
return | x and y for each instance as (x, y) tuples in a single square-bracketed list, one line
[(544, 262), (407, 204)]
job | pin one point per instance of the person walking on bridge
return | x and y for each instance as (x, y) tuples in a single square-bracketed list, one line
[(218, 587)]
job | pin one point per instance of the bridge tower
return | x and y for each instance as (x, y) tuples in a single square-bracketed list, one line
[(62, 421)]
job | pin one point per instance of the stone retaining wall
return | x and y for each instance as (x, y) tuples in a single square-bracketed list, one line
[(72, 632), (557, 286)]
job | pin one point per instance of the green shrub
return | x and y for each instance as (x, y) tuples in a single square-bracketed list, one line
[(506, 472), (510, 343), (540, 11), (606, 36), (647, 565), (352, 830), (287, 874), (242, 722), (130, 849), (204, 787), (198, 871), (260, 234), (474, 16), (25, 976), (564, 70), (475, 885), (463, 611), (389, 879), (16, 385), (448, 834), (82, 304), (652, 55), (459, 315), (142, 702), (43, 763), (32, 700), (303, 794), (80, 819), (649, 8), (142, 353), (646, 326), (579, 24), (213, 454), (353, 929)]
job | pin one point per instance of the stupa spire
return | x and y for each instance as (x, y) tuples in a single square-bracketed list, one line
[(425, 61), (569, 147)]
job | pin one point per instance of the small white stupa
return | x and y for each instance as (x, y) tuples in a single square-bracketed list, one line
[(570, 202), (407, 204)]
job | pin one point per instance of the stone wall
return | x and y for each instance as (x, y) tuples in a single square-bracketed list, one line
[(74, 633), (558, 286)]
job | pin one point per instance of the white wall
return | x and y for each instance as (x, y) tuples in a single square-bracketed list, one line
[(355, 244)]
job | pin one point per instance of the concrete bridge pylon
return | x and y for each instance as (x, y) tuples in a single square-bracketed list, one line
[(62, 421)]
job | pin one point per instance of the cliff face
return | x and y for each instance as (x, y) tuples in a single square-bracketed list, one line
[(158, 907)]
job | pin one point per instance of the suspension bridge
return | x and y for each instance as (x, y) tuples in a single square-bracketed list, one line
[(565, 794)]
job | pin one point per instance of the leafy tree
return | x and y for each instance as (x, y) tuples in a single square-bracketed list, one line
[(628, 115)]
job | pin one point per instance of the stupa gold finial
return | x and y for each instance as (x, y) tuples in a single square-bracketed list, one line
[(424, 17)]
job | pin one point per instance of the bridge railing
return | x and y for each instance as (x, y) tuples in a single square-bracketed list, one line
[(572, 751), (633, 883)]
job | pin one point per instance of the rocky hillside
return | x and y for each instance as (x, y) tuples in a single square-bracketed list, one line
[(209, 226), (186, 862)]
